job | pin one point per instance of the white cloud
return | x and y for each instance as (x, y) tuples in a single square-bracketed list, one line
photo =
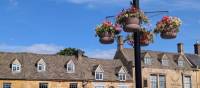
[(52, 49), (43, 48), (35, 48), (175, 4), (104, 54)]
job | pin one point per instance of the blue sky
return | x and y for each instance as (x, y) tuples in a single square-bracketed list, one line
[(46, 26)]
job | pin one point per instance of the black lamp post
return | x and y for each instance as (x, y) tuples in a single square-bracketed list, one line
[(137, 44), (137, 51)]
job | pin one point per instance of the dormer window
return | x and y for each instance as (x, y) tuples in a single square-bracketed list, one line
[(165, 62), (147, 60), (41, 66), (70, 67), (16, 66), (122, 74), (180, 63), (99, 73)]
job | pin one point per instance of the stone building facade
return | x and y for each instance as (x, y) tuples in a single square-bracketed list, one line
[(164, 69), (159, 70), (26, 70)]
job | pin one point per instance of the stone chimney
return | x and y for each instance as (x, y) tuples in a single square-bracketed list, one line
[(180, 48), (197, 48), (120, 43), (79, 54)]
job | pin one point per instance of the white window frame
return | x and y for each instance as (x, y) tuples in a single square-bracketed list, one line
[(70, 67), (16, 68), (165, 62), (122, 76), (99, 86), (122, 86), (100, 75), (155, 81), (148, 60), (43, 67), (181, 63), (187, 82)]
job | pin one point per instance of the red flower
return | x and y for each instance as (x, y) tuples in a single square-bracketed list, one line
[(165, 18), (107, 23), (133, 9)]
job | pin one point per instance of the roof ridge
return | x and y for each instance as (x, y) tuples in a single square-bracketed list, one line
[(156, 51)]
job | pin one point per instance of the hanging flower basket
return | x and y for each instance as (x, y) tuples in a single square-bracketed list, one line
[(168, 27), (107, 31), (146, 37), (132, 20), (132, 25), (107, 38), (129, 19), (168, 34)]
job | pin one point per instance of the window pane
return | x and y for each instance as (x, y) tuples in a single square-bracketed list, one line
[(41, 67), (6, 85), (98, 76), (16, 67), (99, 86), (154, 81), (43, 85), (122, 76), (180, 63), (70, 67), (187, 82), (73, 85), (147, 60), (145, 83), (123, 87), (164, 62), (162, 81)]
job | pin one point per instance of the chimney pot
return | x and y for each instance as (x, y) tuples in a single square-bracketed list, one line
[(197, 48), (120, 42), (180, 48)]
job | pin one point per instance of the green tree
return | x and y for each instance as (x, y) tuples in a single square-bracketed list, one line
[(70, 51)]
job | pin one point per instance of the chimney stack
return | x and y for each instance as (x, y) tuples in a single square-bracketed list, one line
[(180, 48), (79, 54), (120, 43), (197, 48)]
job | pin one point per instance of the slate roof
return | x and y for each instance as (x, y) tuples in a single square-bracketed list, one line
[(128, 54), (194, 59), (55, 67)]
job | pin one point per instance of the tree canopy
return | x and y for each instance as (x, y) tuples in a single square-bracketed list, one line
[(70, 51)]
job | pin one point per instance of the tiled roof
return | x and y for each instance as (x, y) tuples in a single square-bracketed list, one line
[(128, 54), (55, 67), (194, 59)]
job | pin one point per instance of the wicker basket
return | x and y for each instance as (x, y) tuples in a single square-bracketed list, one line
[(132, 25), (107, 38), (168, 35), (132, 20)]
